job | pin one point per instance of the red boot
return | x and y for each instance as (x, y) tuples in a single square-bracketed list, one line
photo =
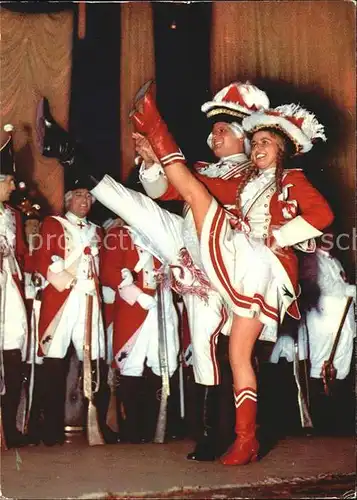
[(245, 447), (148, 121)]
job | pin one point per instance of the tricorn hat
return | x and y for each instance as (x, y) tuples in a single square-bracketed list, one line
[(294, 122), (73, 176), (32, 212), (234, 102)]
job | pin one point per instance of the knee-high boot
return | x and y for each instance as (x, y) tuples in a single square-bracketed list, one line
[(55, 142), (151, 397), (54, 372), (10, 400), (226, 408), (245, 447), (150, 123), (34, 428), (129, 393), (207, 408)]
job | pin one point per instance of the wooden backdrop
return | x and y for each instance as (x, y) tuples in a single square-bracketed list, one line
[(137, 66), (35, 62), (300, 50)]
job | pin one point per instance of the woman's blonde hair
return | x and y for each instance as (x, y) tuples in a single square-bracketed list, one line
[(252, 171)]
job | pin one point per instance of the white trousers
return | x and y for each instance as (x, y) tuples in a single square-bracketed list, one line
[(322, 324), (71, 327), (15, 317), (164, 235), (143, 346)]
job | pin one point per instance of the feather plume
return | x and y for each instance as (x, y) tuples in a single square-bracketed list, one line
[(310, 125)]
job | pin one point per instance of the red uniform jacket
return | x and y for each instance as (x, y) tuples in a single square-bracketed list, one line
[(54, 242), (118, 253), (310, 205)]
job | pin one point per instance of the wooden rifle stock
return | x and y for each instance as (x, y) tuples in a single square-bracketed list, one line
[(328, 371), (112, 414), (93, 431)]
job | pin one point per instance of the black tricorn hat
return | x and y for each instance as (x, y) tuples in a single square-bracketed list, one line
[(32, 212), (75, 176), (7, 159)]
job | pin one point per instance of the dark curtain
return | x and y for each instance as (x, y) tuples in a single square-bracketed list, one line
[(182, 75), (95, 89), (182, 62), (95, 93)]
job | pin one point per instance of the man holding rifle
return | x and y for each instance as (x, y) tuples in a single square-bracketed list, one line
[(131, 270), (69, 260), (13, 320), (329, 325)]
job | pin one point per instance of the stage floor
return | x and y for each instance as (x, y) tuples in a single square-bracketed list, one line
[(297, 467)]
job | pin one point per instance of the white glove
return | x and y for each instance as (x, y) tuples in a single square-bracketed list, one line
[(351, 291), (127, 278), (130, 293), (146, 301), (3, 278), (57, 264), (85, 286)]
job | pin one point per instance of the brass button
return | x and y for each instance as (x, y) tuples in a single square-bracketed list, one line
[(265, 235), (266, 205)]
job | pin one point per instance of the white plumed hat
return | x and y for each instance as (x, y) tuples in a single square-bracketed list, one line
[(293, 121), (234, 102)]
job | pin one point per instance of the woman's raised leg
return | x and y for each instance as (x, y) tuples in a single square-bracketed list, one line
[(148, 121)]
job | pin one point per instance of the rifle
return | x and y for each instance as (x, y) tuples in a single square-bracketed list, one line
[(303, 406), (328, 370), (164, 367), (112, 417), (35, 316), (94, 434), (181, 363)]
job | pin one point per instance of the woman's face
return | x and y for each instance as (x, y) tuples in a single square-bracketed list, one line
[(265, 149), (224, 140)]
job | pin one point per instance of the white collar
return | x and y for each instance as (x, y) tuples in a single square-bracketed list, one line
[(267, 172), (237, 157), (75, 219), (225, 165)]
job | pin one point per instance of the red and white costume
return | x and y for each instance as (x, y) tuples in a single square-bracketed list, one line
[(70, 250), (14, 250), (255, 281), (173, 240), (323, 317), (136, 331)]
